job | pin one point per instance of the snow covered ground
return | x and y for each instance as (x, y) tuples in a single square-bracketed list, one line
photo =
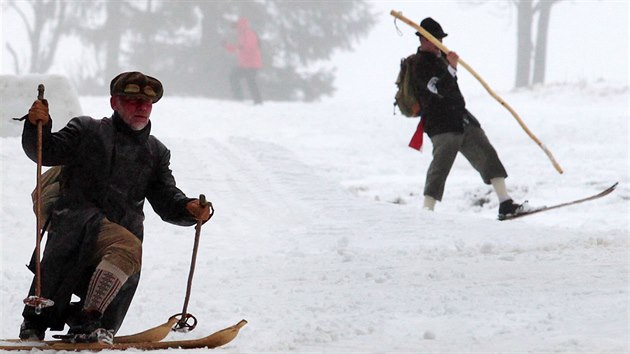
[(319, 240)]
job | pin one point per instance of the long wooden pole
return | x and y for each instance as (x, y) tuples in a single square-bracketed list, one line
[(443, 48), (37, 301), (183, 325), (38, 201)]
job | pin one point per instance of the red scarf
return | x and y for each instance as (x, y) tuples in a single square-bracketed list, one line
[(416, 139)]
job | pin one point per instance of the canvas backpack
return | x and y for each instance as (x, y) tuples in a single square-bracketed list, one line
[(405, 97), (51, 190)]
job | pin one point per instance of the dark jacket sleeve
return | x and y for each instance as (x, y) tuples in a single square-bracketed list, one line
[(57, 148), (168, 201)]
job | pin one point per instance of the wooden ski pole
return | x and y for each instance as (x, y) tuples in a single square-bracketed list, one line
[(182, 325), (37, 300), (443, 48)]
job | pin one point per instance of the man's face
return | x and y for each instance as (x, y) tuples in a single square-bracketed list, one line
[(427, 46), (135, 111)]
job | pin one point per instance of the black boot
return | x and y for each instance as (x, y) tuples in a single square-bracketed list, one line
[(86, 327), (32, 331), (508, 207)]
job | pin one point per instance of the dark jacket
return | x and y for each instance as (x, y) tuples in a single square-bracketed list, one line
[(445, 110), (108, 171)]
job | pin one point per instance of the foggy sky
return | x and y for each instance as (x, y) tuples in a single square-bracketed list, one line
[(588, 41)]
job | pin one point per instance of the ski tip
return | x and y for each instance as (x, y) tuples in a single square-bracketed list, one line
[(241, 323), (611, 188)]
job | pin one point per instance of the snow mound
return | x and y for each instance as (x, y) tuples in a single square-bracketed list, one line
[(17, 93)]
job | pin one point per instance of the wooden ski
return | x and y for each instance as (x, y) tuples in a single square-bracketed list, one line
[(214, 340), (603, 193)]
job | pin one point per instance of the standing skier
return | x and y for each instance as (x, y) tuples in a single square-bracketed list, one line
[(247, 50), (94, 245), (450, 126)]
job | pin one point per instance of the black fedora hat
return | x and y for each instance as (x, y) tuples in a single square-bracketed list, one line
[(431, 26)]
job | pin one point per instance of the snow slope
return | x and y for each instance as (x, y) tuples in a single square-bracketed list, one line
[(320, 243)]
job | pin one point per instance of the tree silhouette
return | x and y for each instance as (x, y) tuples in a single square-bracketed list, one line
[(540, 56), (293, 36), (530, 56), (44, 22), (180, 42)]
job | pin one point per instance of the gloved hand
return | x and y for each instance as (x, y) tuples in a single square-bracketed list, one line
[(201, 213), (39, 112)]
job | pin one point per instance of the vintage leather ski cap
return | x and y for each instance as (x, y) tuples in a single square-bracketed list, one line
[(135, 83), (432, 27)]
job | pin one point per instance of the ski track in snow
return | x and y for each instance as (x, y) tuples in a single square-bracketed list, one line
[(316, 263), (331, 241)]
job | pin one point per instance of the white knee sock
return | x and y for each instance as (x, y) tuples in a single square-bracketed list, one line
[(500, 189), (429, 203)]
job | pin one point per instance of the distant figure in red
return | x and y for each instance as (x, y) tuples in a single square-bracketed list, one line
[(249, 61)]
